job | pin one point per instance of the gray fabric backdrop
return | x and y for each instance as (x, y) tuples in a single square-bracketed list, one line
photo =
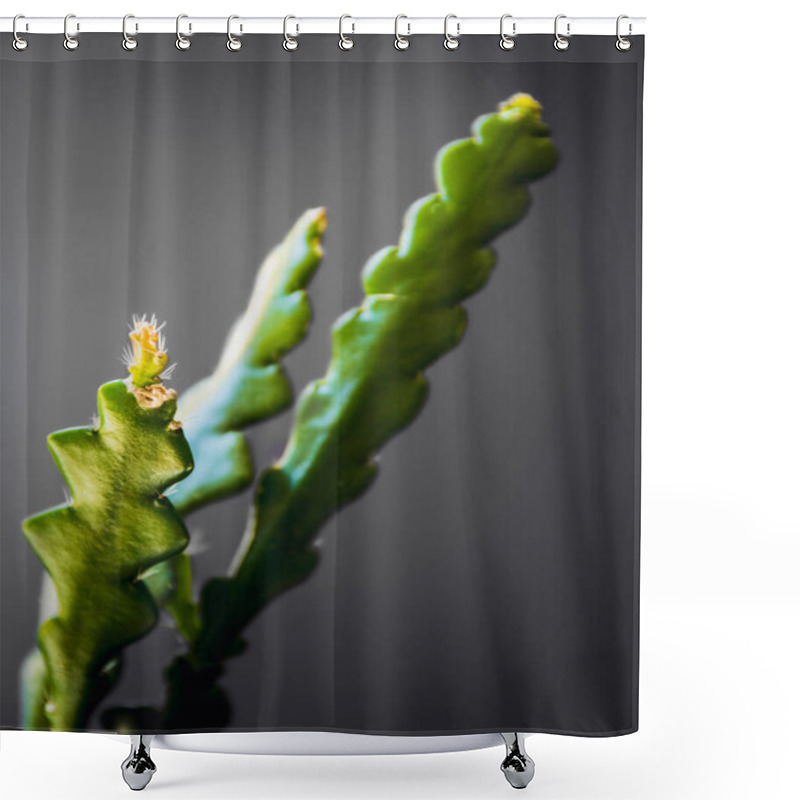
[(488, 580)]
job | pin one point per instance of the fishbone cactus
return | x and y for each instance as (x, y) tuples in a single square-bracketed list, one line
[(374, 385), (116, 525), (248, 385)]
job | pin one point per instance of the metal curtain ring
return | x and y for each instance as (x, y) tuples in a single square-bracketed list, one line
[(70, 42), (128, 42), (451, 42), (19, 43), (560, 42), (401, 42), (345, 42), (289, 42), (233, 44), (622, 43), (507, 42), (182, 42)]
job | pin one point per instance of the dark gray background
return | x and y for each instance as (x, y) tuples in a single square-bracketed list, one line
[(489, 578)]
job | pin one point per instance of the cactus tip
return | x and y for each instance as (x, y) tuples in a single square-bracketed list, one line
[(147, 362), (523, 102)]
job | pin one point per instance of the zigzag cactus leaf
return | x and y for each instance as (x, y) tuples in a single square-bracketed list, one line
[(249, 383), (374, 385), (96, 547)]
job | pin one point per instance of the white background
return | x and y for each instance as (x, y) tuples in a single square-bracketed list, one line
[(720, 599)]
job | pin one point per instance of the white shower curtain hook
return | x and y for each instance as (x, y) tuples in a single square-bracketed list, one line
[(233, 44), (401, 42), (622, 43), (507, 42), (70, 42), (561, 43), (19, 43), (129, 42), (289, 42), (451, 42), (345, 42), (182, 42)]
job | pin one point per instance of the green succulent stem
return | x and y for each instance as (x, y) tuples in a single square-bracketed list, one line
[(374, 385), (248, 385), (411, 315), (96, 547)]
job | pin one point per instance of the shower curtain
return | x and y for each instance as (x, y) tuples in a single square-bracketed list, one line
[(319, 385)]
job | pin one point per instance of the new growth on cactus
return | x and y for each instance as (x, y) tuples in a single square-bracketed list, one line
[(374, 386), (146, 356)]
